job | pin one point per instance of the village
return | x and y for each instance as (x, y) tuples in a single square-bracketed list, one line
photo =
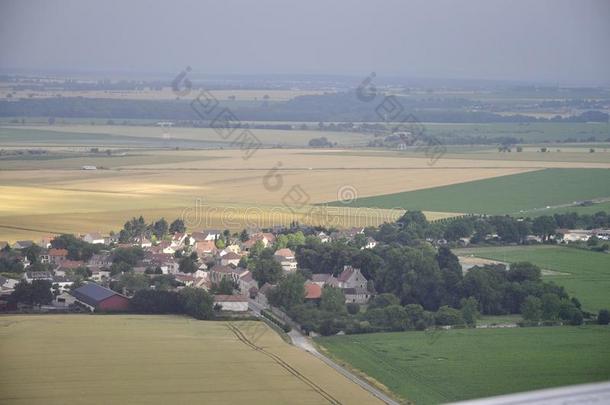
[(96, 272), (203, 259)]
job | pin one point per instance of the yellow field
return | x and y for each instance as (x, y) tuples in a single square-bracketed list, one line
[(219, 188), (119, 359)]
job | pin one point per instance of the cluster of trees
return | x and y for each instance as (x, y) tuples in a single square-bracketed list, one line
[(77, 249), (418, 275), (137, 227), (385, 312), (321, 142), (38, 292), (190, 301), (123, 259), (413, 227)]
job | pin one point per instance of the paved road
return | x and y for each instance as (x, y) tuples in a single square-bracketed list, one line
[(303, 342)]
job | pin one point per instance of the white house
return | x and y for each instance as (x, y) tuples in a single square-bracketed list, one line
[(286, 259), (233, 303), (94, 238), (575, 235), (354, 285), (230, 259)]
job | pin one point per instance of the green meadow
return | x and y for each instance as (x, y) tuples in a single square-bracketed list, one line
[(525, 192), (461, 364)]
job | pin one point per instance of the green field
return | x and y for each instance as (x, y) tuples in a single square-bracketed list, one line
[(470, 363), (131, 359), (501, 195), (586, 274)]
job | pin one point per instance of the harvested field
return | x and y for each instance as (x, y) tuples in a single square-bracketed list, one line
[(121, 359)]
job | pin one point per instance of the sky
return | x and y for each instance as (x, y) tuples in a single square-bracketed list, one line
[(551, 41)]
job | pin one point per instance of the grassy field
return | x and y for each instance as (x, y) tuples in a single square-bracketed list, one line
[(464, 364), (503, 195), (118, 359), (585, 274)]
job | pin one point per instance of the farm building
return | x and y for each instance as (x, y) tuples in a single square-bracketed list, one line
[(98, 298), (234, 303)]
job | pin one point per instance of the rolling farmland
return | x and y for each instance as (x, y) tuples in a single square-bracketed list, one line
[(42, 194), (445, 366), (159, 359)]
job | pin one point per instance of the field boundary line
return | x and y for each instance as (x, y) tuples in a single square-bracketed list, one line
[(242, 338)]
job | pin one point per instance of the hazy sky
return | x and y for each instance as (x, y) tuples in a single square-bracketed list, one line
[(548, 40)]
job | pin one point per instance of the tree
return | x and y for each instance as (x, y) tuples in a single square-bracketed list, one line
[(38, 292), (383, 300), (603, 317), (243, 236), (155, 302), (544, 226), (332, 300), (531, 309), (177, 226), (160, 228), (470, 311), (225, 286), (448, 316), (266, 270), (129, 255), (187, 265), (417, 318), (132, 282), (196, 303), (353, 308), (120, 267), (524, 271), (396, 317), (551, 305), (289, 292), (593, 241)]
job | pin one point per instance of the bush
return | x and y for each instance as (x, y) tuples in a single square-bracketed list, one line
[(353, 308), (448, 316), (603, 317), (275, 320)]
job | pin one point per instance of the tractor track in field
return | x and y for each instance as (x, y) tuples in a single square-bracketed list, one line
[(242, 338)]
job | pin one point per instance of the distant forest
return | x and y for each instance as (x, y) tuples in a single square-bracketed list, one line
[(330, 107)]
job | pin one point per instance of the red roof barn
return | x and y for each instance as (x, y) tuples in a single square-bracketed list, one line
[(98, 298)]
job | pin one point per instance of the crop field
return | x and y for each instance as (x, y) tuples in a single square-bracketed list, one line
[(517, 193), (118, 359), (214, 187), (191, 174), (445, 366), (584, 274)]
